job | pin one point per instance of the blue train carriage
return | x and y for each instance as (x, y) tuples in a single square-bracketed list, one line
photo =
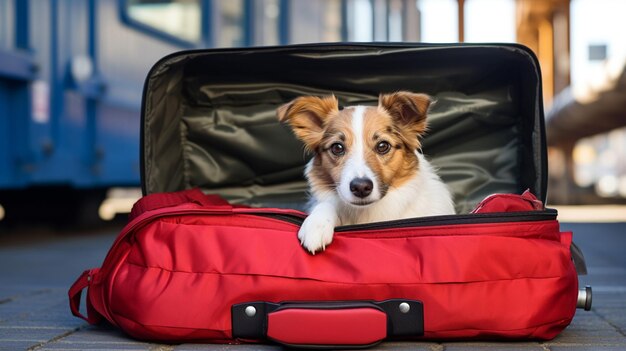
[(71, 77)]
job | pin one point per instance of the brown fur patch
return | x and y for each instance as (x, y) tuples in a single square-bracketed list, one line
[(399, 164), (326, 171), (319, 177), (408, 110), (307, 116)]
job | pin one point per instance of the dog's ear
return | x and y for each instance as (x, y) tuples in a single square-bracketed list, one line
[(407, 109), (307, 116)]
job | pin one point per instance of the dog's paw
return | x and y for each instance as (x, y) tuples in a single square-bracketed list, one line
[(317, 232)]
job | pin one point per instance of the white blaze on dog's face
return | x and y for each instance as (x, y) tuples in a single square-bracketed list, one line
[(360, 152)]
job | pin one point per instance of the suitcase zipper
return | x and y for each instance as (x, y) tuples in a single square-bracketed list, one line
[(473, 218), (281, 217)]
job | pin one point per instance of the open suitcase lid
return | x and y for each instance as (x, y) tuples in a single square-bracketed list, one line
[(209, 116)]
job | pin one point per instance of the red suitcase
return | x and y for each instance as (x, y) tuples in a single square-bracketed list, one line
[(192, 267)]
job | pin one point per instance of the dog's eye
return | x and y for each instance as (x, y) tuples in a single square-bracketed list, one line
[(383, 147), (337, 149)]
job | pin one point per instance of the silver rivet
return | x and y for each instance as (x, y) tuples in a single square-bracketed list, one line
[(250, 311), (405, 307)]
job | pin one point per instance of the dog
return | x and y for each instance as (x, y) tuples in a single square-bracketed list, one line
[(366, 165)]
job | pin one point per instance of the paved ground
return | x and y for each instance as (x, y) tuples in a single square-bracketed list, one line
[(36, 270)]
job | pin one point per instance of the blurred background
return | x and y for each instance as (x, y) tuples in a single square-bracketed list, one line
[(72, 73)]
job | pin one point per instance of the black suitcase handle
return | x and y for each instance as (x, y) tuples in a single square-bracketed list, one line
[(328, 324)]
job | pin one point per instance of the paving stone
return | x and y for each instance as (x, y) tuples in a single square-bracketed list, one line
[(95, 347), (612, 312), (574, 332), (33, 303), (17, 345), (54, 314), (46, 321), (101, 334), (569, 335), (391, 345), (610, 298), (588, 321), (419, 346), (587, 348), (29, 334), (222, 347), (586, 341), (425, 346), (100, 338), (619, 323), (9, 292), (493, 347)]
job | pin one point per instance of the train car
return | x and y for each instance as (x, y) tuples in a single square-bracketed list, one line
[(70, 91)]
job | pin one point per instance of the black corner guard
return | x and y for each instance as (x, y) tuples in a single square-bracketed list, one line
[(405, 318)]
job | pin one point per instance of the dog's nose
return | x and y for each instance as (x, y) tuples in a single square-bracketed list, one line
[(361, 187)]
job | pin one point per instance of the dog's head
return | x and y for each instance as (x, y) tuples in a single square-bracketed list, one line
[(359, 152)]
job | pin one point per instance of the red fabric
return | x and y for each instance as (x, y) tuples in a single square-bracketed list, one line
[(357, 326), (509, 203), (174, 273), (161, 200)]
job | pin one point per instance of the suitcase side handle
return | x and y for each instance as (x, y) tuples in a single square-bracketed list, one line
[(75, 293), (328, 324)]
